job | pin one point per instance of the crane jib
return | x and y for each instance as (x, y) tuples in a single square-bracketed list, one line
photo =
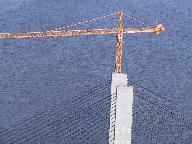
[(77, 32)]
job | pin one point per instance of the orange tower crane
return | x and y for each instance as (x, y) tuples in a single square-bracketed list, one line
[(157, 29)]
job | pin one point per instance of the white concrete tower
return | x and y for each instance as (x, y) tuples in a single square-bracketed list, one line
[(121, 118)]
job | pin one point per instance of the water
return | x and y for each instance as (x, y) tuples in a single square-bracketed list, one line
[(38, 73)]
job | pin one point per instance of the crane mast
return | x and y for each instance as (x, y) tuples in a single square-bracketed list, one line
[(118, 31), (119, 45)]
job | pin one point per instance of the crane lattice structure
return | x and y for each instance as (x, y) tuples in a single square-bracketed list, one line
[(61, 32)]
